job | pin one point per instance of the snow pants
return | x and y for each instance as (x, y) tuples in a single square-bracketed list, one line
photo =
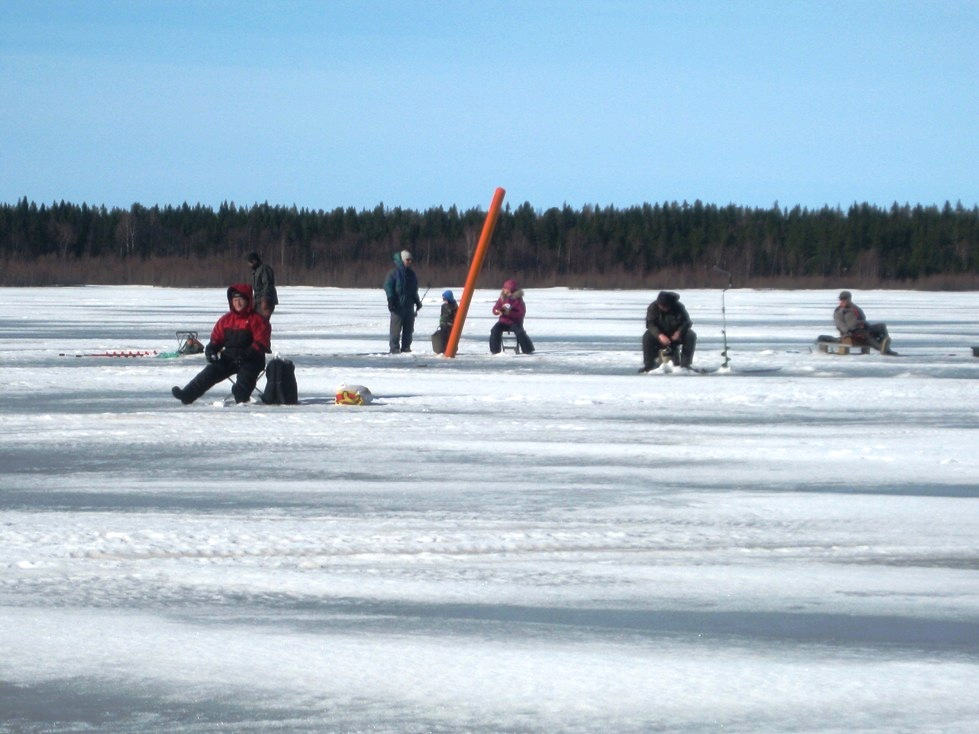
[(872, 335), (651, 348), (402, 330), (496, 337), (247, 371)]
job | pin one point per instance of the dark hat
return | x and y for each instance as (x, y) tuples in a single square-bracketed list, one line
[(254, 258), (845, 295), (238, 294)]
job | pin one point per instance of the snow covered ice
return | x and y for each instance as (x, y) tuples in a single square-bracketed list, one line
[(544, 542)]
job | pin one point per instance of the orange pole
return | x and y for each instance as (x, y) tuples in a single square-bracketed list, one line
[(474, 268)]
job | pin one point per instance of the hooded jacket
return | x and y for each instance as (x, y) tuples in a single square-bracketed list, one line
[(674, 319), (401, 288), (239, 333), (510, 308)]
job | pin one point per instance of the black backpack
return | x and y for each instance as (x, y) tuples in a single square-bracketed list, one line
[(280, 383)]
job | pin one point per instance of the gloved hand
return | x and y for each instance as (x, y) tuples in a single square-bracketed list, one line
[(392, 305), (418, 308), (211, 353)]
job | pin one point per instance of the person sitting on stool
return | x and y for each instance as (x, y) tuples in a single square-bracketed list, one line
[(511, 309), (238, 345)]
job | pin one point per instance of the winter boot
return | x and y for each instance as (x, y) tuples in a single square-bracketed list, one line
[(182, 396)]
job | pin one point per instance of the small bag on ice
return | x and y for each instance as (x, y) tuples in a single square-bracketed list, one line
[(280, 383), (353, 395)]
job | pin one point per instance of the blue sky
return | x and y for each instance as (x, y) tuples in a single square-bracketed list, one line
[(424, 103)]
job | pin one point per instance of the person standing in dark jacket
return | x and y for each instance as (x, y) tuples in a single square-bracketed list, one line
[(238, 345), (668, 332), (263, 286), (401, 289)]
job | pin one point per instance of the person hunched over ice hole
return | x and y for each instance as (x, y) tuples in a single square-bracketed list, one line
[(667, 332)]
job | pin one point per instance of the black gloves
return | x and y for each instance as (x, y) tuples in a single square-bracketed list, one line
[(392, 305), (211, 353)]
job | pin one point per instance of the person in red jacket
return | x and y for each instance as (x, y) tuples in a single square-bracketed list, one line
[(511, 309), (238, 345)]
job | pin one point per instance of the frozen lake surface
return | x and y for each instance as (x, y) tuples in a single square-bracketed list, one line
[(498, 543)]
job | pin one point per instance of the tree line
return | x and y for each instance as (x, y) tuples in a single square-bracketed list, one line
[(650, 245)]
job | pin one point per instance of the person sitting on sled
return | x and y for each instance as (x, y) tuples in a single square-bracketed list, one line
[(853, 327), (668, 335), (511, 309), (238, 345), (447, 317)]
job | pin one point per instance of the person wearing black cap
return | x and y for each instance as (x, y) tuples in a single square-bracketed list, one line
[(853, 327), (668, 333), (238, 345), (263, 285)]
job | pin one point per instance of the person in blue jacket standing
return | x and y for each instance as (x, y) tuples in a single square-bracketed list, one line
[(401, 288)]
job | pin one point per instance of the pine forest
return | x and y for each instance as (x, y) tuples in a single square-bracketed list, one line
[(666, 244)]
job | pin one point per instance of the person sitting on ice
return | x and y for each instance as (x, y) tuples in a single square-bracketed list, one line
[(447, 317), (853, 327), (668, 336), (238, 345), (511, 309)]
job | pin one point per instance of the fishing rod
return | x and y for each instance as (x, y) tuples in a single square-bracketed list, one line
[(127, 353), (423, 297), (719, 269)]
